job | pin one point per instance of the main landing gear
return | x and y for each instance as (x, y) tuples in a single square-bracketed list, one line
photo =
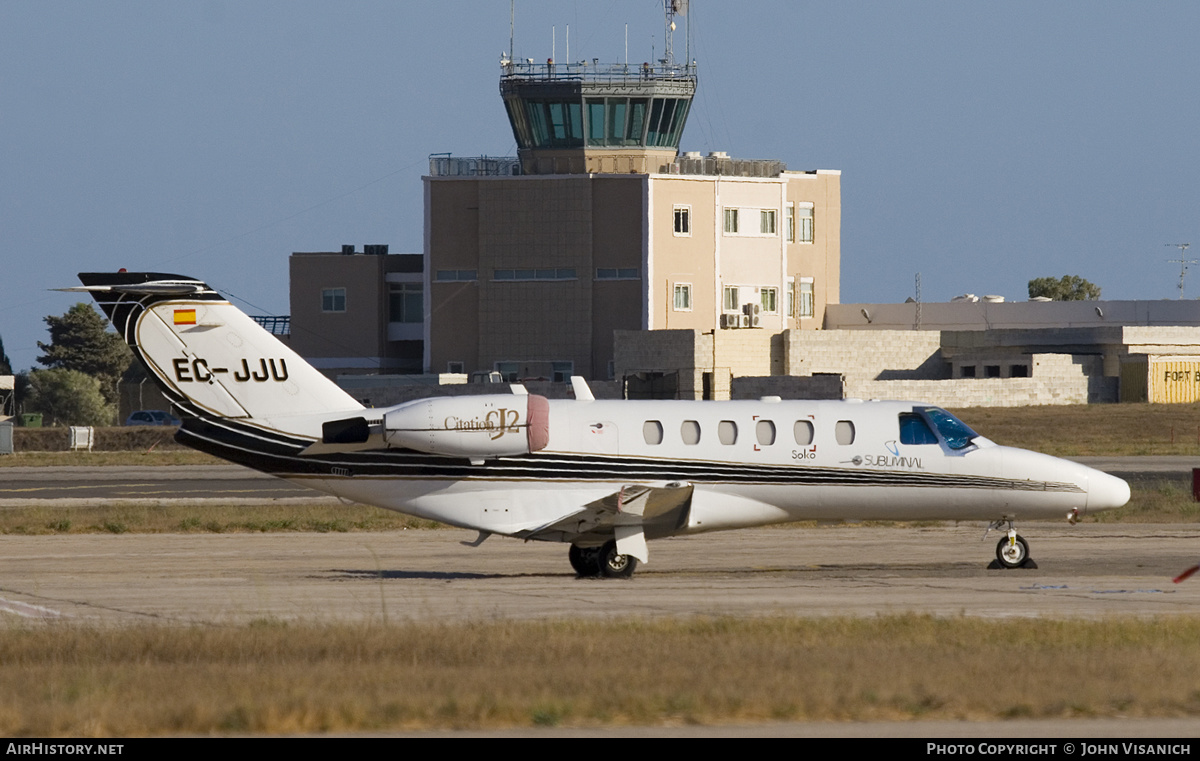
[(603, 561), (1012, 551)]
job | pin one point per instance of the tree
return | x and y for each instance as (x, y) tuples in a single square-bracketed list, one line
[(5, 365), (68, 397), (1069, 288), (79, 341)]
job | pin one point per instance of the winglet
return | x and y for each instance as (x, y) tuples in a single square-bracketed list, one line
[(582, 392)]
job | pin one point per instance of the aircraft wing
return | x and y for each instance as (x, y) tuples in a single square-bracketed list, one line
[(625, 514)]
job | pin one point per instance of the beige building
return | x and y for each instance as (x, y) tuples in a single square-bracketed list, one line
[(599, 225)]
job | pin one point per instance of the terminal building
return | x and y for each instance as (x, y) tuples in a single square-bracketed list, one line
[(600, 225)]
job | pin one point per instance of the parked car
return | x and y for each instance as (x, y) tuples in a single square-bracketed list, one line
[(151, 417)]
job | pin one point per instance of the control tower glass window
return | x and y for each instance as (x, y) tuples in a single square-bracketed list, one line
[(551, 124)]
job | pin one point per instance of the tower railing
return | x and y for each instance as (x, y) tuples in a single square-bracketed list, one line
[(597, 72)]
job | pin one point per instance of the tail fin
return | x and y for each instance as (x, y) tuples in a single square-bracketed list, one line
[(210, 358)]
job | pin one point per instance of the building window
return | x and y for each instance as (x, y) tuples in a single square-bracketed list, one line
[(333, 299), (804, 215), (731, 302), (731, 221), (406, 303), (683, 297), (790, 224), (770, 298), (614, 273), (766, 221), (791, 297), (451, 276), (561, 372), (683, 220), (562, 273), (807, 308), (456, 368), (508, 371)]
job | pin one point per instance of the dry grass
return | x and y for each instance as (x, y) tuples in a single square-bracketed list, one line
[(99, 459), (275, 678), (1096, 429)]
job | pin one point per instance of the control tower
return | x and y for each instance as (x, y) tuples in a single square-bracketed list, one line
[(588, 117)]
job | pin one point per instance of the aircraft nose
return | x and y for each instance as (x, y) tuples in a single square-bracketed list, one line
[(1105, 492)]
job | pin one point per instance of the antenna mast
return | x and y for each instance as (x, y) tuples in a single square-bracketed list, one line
[(673, 8), (1183, 263)]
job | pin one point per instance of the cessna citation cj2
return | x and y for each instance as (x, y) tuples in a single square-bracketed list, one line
[(603, 476)]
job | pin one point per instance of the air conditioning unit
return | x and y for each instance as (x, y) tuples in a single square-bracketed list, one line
[(726, 321), (754, 320), (751, 309), (745, 320)]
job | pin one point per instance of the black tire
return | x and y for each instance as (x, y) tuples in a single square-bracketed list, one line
[(614, 565), (1012, 555), (585, 560)]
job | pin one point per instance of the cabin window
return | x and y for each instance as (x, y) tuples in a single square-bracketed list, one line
[(991, 371), (765, 431), (803, 431), (967, 371), (914, 430), (690, 432), (1019, 371), (844, 432), (727, 432), (652, 432)]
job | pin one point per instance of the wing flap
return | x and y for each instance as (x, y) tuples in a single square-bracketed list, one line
[(624, 514)]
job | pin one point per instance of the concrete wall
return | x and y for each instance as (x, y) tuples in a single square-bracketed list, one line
[(1057, 379), (862, 355)]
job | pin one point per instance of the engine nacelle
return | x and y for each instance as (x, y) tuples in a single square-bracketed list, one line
[(490, 425)]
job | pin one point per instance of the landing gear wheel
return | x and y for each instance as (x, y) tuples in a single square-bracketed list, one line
[(613, 565), (1012, 554), (585, 560)]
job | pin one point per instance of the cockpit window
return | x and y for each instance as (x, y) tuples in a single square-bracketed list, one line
[(914, 430), (958, 435)]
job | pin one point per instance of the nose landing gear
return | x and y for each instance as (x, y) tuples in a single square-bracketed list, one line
[(1012, 551)]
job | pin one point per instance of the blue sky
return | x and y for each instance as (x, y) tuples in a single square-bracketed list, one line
[(980, 144)]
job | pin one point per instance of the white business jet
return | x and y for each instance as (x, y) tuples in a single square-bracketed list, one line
[(601, 475)]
